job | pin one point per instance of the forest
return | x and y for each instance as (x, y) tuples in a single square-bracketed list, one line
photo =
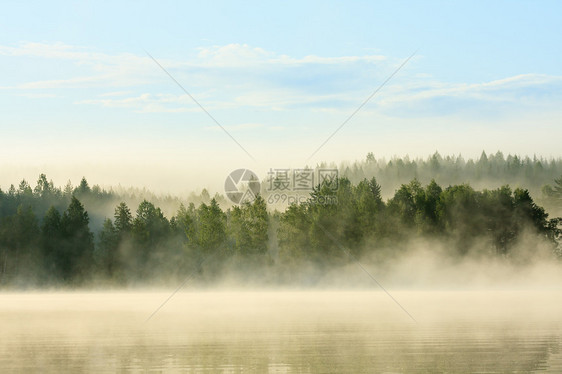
[(486, 171), (50, 238)]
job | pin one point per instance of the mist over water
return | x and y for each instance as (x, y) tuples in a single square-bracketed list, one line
[(277, 187), (282, 331), (418, 285), (463, 314)]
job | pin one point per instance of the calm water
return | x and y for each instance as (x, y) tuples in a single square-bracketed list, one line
[(282, 332)]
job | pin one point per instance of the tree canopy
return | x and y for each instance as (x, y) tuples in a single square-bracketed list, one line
[(47, 235)]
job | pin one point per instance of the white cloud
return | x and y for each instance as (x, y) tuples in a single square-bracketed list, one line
[(238, 127), (119, 70), (516, 91), (243, 55), (115, 93), (233, 55), (147, 103), (522, 80), (53, 50), (258, 70), (33, 95), (64, 83), (240, 76)]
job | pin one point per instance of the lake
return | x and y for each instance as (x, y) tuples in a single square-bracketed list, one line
[(282, 331)]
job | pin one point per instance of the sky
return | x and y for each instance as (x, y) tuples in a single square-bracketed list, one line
[(81, 96)]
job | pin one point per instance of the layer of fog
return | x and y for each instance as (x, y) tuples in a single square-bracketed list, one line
[(419, 264)]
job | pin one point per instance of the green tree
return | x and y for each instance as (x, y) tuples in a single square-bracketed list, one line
[(211, 235), (496, 215), (24, 188), (428, 219), (186, 219), (458, 209), (407, 202), (249, 226), (19, 236), (558, 187), (329, 211), (68, 190), (527, 212), (368, 205), (149, 232), (83, 188), (79, 241), (107, 250), (44, 189), (554, 192), (52, 244), (149, 225), (123, 219), (294, 234)]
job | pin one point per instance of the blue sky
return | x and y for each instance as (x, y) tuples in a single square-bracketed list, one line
[(79, 96)]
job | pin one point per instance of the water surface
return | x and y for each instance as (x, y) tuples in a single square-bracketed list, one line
[(282, 332)]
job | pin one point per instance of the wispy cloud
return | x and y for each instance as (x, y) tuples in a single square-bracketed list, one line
[(146, 103), (238, 127), (76, 82), (243, 55), (33, 95), (501, 95), (51, 50), (102, 69), (237, 76), (115, 93)]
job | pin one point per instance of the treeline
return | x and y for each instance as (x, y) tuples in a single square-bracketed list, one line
[(42, 244), (99, 202), (489, 170), (361, 222), (54, 245)]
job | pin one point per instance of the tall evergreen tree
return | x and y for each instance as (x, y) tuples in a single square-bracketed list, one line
[(123, 218), (52, 244), (78, 241), (19, 236), (249, 227), (211, 233), (107, 249)]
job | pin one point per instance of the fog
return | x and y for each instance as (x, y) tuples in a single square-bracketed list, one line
[(282, 331), (416, 265), (468, 314), (341, 235), (424, 278)]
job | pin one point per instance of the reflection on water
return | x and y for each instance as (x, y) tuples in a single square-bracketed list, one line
[(282, 332)]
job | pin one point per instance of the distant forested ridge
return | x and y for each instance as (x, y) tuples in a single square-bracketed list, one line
[(47, 237), (489, 170)]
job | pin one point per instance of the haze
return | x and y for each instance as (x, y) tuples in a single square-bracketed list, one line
[(281, 187), (84, 99)]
